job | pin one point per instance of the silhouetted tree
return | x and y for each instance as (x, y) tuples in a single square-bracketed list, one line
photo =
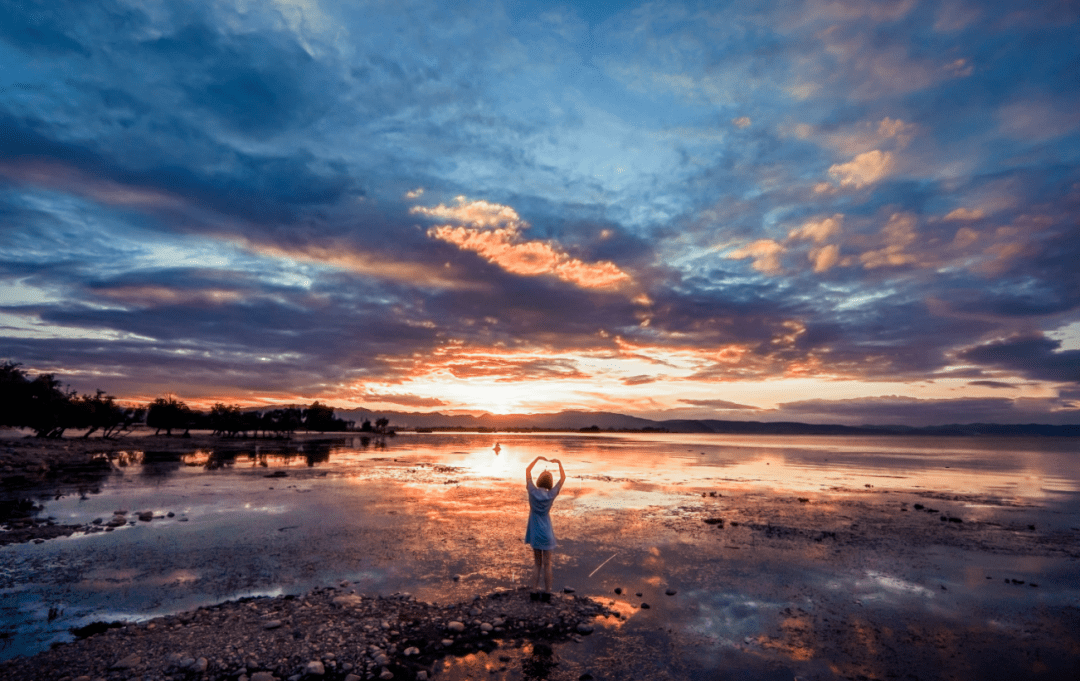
[(320, 417), (168, 414), (283, 422), (101, 412)]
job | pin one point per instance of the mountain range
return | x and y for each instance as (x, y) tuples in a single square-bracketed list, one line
[(603, 420)]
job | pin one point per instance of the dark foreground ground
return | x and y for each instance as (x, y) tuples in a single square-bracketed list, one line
[(331, 633)]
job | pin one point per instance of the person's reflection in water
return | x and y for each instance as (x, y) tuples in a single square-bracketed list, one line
[(540, 664), (539, 533)]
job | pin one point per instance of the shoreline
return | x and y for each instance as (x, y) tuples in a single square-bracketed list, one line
[(328, 633)]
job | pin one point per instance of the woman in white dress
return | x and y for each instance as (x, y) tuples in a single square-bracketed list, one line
[(539, 533)]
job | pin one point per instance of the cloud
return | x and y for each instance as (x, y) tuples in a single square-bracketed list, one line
[(965, 214), (719, 404), (765, 253), (1032, 355), (741, 122), (898, 234), (819, 230), (865, 169), (494, 232), (993, 384)]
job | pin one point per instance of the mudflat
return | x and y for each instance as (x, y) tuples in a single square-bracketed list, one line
[(703, 578)]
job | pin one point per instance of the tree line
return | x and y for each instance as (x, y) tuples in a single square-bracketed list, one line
[(45, 406)]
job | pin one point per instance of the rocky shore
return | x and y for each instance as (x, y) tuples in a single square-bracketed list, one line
[(332, 633)]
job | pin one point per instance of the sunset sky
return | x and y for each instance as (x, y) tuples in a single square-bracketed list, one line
[(825, 211)]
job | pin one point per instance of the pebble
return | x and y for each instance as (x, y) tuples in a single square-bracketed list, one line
[(568, 590), (456, 626), (671, 592), (263, 676), (146, 516), (314, 668), (412, 650), (382, 660), (484, 626), (128, 662), (386, 674), (352, 677), (421, 675), (272, 624)]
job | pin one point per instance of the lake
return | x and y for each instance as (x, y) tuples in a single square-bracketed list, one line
[(817, 530)]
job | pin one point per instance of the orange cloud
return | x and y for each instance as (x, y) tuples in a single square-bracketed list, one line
[(899, 233), (818, 231), (494, 231), (865, 169), (765, 252)]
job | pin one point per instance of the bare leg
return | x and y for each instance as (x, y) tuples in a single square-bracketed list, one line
[(538, 561), (547, 571)]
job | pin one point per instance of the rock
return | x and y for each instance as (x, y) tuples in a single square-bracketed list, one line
[(638, 594), (263, 676), (568, 590), (645, 606), (199, 666), (170, 514), (117, 521), (447, 642), (271, 624), (671, 592), (618, 590), (421, 675), (382, 660), (98, 521), (457, 578), (352, 677), (583, 628), (484, 626), (129, 662), (386, 674), (182, 520), (412, 650), (475, 612), (146, 516), (348, 600), (456, 626), (314, 668)]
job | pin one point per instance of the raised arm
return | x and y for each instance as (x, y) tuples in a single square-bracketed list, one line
[(528, 471), (562, 475)]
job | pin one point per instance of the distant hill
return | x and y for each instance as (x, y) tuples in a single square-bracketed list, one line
[(604, 420)]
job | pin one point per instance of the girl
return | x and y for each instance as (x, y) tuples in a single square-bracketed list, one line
[(539, 534)]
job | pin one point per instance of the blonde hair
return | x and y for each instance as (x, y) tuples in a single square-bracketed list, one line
[(545, 480)]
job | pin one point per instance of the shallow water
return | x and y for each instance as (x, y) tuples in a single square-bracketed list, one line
[(412, 512)]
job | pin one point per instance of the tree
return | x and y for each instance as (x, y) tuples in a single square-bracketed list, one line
[(169, 413), (101, 412), (320, 417)]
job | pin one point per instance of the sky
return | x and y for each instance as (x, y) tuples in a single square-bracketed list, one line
[(831, 211)]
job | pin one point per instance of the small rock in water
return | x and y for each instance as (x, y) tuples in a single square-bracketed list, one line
[(645, 606), (457, 578), (568, 590), (170, 514), (584, 628), (618, 590), (671, 592), (638, 594), (146, 516), (315, 668)]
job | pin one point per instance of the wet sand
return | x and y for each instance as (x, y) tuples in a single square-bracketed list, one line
[(871, 581)]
